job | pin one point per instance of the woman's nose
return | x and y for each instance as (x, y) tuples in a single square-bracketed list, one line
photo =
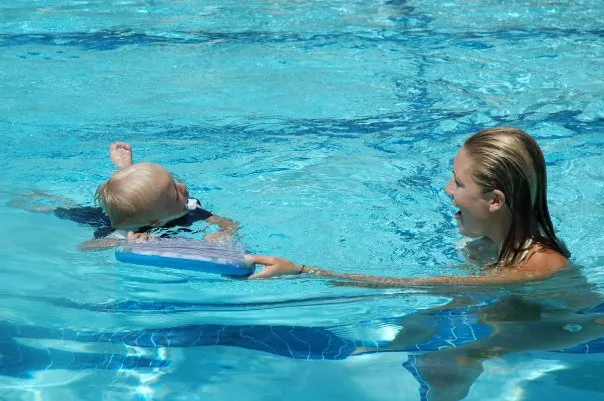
[(449, 187)]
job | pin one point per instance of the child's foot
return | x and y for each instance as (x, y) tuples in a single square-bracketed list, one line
[(121, 154)]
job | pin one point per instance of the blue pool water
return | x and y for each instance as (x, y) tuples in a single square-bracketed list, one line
[(327, 129)]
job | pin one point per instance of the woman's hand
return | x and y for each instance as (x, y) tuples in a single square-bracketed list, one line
[(273, 266)]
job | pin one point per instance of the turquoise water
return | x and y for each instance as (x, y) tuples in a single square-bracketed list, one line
[(327, 129)]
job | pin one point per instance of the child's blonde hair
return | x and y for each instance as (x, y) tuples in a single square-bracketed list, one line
[(128, 197)]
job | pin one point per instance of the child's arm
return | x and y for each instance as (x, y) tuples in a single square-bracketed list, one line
[(226, 228), (99, 244), (106, 243)]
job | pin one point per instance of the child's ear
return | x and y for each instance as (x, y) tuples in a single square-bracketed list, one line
[(497, 200)]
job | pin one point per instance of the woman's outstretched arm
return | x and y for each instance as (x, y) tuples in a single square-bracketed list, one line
[(539, 266)]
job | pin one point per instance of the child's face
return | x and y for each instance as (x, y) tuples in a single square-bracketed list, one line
[(171, 200)]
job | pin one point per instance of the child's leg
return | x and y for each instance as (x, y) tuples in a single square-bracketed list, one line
[(41, 202)]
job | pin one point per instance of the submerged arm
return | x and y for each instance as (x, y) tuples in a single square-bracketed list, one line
[(106, 243), (226, 227), (99, 244)]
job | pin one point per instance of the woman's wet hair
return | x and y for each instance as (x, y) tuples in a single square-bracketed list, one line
[(510, 160)]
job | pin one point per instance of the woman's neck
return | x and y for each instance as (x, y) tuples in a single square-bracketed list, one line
[(500, 229), (522, 240)]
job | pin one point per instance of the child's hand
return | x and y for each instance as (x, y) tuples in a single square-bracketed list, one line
[(121, 154), (138, 237), (219, 236)]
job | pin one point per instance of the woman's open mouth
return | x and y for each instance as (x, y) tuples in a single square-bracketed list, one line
[(458, 215)]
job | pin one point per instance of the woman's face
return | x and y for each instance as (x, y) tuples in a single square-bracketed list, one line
[(473, 216)]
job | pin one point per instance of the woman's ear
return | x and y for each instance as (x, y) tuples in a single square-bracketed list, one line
[(497, 200)]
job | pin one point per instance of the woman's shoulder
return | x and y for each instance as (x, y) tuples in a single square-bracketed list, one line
[(544, 260), (540, 263)]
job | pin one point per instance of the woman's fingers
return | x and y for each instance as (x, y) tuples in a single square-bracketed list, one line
[(261, 259), (273, 266)]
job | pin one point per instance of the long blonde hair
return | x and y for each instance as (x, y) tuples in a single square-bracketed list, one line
[(510, 160)]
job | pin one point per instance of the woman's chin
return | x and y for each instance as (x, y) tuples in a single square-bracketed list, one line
[(472, 235), (469, 233)]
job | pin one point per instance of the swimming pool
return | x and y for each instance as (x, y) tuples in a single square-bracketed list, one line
[(328, 130)]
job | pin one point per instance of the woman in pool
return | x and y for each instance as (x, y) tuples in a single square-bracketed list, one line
[(499, 186)]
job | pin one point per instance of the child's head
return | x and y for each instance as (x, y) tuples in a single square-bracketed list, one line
[(140, 195)]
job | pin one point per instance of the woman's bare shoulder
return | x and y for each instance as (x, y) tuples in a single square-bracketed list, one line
[(545, 261)]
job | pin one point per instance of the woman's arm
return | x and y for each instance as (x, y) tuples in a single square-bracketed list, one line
[(275, 266)]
